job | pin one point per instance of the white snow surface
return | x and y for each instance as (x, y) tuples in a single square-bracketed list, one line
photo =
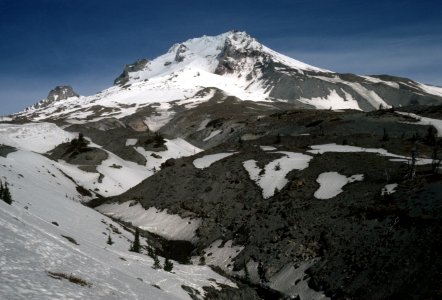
[(131, 142), (273, 177), (175, 148), (331, 184), (292, 281), (389, 189), (221, 255), (37, 137), (169, 226), (31, 246), (320, 149), (268, 148), (425, 121), (207, 160), (212, 134), (333, 101), (165, 79)]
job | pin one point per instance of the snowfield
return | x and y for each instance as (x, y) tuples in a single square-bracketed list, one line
[(47, 207), (169, 226), (207, 160), (320, 149), (331, 184), (37, 137), (272, 177)]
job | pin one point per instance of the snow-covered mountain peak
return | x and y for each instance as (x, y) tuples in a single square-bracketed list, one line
[(59, 93)]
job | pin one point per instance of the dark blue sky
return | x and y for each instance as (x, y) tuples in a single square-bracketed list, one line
[(86, 43)]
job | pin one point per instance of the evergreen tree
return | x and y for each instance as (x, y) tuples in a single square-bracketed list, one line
[(109, 240), (1, 190), (156, 261), (168, 265), (151, 251), (6, 195), (135, 247), (246, 273)]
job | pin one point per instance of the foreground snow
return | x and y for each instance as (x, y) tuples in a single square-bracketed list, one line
[(47, 207)]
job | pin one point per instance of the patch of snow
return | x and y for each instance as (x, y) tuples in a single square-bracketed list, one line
[(377, 80), (292, 281), (425, 121), (368, 95), (37, 137), (222, 257), (212, 134), (131, 142), (31, 245), (331, 184), (268, 148), (169, 226), (320, 149), (207, 160), (161, 117), (333, 101), (389, 189), (273, 177), (203, 124), (176, 148)]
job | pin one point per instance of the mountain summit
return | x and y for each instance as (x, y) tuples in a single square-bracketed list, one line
[(239, 66)]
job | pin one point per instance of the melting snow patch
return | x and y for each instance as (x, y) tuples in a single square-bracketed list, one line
[(267, 148), (292, 281), (176, 148), (37, 137), (334, 101), (207, 160), (169, 226), (131, 142), (212, 134), (162, 116), (273, 175), (221, 255), (389, 189), (320, 149), (425, 121), (331, 183)]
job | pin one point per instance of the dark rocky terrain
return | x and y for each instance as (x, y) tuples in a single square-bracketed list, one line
[(366, 245)]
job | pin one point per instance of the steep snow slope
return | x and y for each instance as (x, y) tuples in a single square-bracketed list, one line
[(47, 207)]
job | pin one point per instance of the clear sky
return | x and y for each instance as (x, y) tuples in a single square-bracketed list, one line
[(86, 43)]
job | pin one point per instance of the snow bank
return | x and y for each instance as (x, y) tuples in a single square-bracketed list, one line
[(31, 244), (331, 184), (320, 149), (220, 256), (176, 148), (207, 160), (37, 137), (293, 281), (333, 100), (273, 175), (425, 121), (268, 148), (212, 134), (169, 226), (389, 189)]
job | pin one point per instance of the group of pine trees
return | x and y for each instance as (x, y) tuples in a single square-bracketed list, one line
[(136, 247), (5, 194)]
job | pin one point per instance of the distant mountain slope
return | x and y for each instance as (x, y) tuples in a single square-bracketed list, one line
[(240, 66)]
